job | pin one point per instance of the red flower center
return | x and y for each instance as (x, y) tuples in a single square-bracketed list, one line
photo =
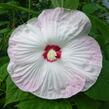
[(52, 53)]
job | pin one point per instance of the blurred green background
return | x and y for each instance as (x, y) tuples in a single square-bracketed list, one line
[(17, 12)]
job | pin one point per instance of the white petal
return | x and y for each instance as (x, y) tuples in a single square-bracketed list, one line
[(45, 81), (61, 25), (59, 82), (27, 77), (83, 54), (26, 44)]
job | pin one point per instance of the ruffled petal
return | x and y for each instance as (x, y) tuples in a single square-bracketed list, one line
[(84, 55), (59, 82), (27, 77), (60, 25), (26, 43), (45, 81)]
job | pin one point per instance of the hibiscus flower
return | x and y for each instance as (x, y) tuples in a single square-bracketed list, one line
[(53, 56)]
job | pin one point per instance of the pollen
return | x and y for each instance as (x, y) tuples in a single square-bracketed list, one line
[(51, 55)]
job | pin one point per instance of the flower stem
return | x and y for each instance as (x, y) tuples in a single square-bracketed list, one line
[(29, 8)]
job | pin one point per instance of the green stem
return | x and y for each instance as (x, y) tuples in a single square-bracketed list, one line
[(13, 21), (29, 8)]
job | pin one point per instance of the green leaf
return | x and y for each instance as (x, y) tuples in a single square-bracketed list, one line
[(101, 27), (11, 6), (5, 30), (38, 103), (3, 11), (70, 4), (4, 60), (13, 94), (3, 72), (92, 7), (105, 105), (107, 51), (4, 23), (100, 91), (84, 102)]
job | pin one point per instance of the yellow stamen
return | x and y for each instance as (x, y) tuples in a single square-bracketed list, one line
[(51, 55)]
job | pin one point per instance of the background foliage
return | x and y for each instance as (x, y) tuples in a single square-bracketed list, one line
[(16, 12)]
